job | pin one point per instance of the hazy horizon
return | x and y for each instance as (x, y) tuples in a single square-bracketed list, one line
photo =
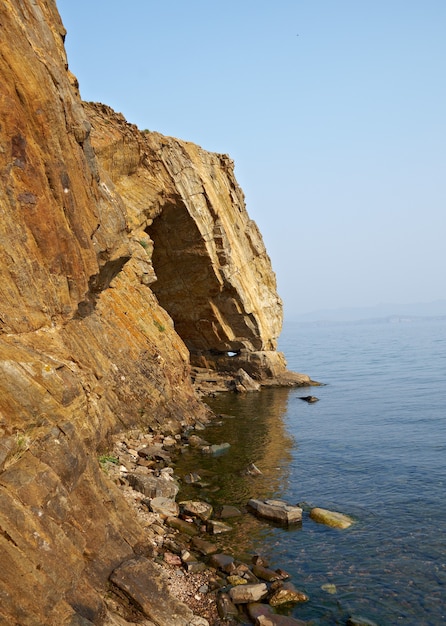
[(332, 112), (381, 310)]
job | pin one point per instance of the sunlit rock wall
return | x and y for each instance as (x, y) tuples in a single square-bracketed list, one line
[(212, 272), (122, 252), (85, 347)]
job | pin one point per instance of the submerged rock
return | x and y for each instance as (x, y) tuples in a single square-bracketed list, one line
[(216, 448), (252, 470), (263, 615), (192, 478), (203, 546), (360, 621), (215, 527), (276, 511), (329, 588), (330, 518), (227, 511)]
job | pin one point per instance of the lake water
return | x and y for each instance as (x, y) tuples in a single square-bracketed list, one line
[(373, 447)]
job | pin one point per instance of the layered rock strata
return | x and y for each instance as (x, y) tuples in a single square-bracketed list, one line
[(205, 258), (123, 253)]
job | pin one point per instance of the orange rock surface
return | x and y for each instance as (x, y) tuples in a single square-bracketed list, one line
[(123, 253)]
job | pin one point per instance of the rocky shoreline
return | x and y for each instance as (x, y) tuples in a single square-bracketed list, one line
[(182, 539)]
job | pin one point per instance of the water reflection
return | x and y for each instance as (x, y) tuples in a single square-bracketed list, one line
[(253, 425)]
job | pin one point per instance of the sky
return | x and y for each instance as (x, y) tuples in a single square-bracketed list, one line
[(334, 112)]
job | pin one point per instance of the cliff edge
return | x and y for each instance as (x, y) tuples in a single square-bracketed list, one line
[(127, 258)]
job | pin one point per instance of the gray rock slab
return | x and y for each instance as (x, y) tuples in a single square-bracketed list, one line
[(143, 584), (224, 562), (244, 594), (227, 511), (165, 507), (276, 511), (154, 452), (153, 486), (197, 508)]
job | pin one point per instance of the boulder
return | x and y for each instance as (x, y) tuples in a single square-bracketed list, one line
[(225, 607), (153, 486), (227, 511), (155, 453), (197, 508), (225, 562), (142, 583), (244, 382), (265, 573), (276, 511), (165, 507), (330, 518), (287, 594), (244, 594)]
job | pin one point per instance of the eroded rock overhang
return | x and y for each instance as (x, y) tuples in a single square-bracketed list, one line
[(211, 271)]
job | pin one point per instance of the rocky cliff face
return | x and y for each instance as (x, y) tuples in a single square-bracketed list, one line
[(205, 259), (125, 256)]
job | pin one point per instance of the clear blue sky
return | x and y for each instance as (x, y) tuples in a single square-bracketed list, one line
[(333, 110)]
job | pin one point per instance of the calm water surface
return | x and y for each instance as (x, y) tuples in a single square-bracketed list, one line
[(374, 447)]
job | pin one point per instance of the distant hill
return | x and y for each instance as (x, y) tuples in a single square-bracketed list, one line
[(378, 312)]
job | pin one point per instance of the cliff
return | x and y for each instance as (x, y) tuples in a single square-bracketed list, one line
[(126, 258)]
